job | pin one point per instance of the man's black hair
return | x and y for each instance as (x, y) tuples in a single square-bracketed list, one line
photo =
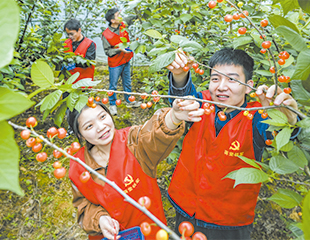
[(110, 14), (237, 57), (72, 24)]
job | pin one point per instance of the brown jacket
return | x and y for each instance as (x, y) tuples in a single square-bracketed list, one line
[(150, 144)]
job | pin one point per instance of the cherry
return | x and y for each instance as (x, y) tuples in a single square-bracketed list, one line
[(41, 157), (118, 102), (90, 101), (287, 79), (132, 98), (212, 4), (161, 235), (69, 151), (25, 134), (228, 18), (144, 96), (240, 4), (219, 1), (201, 71), (266, 44), (105, 100), (244, 13), (264, 23), (186, 69), (236, 16), (62, 133), (272, 69), (268, 142), (154, 92), (212, 108), (143, 105), (281, 78), (51, 132), (208, 111), (261, 111), (199, 236), (57, 164), (97, 99), (57, 154), (37, 147), (145, 228), (31, 142), (84, 177), (145, 201), (249, 116), (242, 30), (252, 94), (197, 70), (263, 51), (110, 93), (206, 105), (195, 65), (222, 116), (245, 113), (284, 55), (281, 61), (287, 90), (31, 122), (60, 172), (75, 146), (261, 37), (94, 105), (156, 99), (264, 115), (186, 229), (149, 104)]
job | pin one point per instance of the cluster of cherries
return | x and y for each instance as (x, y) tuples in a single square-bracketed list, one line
[(186, 229), (177, 31), (105, 100), (195, 66), (36, 144)]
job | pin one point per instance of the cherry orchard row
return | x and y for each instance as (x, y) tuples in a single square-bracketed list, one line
[(103, 178), (143, 95)]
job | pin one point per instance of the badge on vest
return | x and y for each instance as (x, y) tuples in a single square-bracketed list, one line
[(130, 183), (234, 146)]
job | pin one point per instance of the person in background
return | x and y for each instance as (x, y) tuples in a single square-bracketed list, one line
[(118, 59)]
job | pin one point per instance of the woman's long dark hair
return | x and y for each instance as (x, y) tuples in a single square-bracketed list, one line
[(73, 122)]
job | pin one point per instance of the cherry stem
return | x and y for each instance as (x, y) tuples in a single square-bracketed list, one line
[(106, 180)]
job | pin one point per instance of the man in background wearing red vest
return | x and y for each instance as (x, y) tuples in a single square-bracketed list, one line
[(118, 59), (82, 46)]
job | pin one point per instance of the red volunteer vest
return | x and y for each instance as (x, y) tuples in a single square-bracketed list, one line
[(81, 50), (197, 185), (127, 173), (114, 39)]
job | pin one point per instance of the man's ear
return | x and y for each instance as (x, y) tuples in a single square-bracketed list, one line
[(80, 30), (251, 83)]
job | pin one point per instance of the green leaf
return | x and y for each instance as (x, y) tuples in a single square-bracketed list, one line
[(274, 123), (12, 103), (177, 39), (186, 17), (287, 147), (42, 74), (191, 44), (72, 79), (50, 100), (306, 216), (297, 42), (60, 114), (240, 41), (153, 33), (289, 5), (302, 69), (134, 45), (9, 28), (277, 20), (156, 51), (231, 175), (299, 91), (305, 5), (283, 137), (283, 200), (250, 176), (282, 165), (249, 161), (292, 194), (9, 158), (276, 115), (86, 82), (297, 156), (304, 123), (81, 103), (162, 61), (72, 99), (123, 39), (264, 73)]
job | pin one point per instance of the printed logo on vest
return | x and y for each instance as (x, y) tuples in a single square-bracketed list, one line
[(234, 146), (129, 181)]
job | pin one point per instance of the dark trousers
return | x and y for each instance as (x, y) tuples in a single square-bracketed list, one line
[(243, 233)]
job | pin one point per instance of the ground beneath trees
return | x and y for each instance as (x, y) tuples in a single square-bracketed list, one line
[(46, 212)]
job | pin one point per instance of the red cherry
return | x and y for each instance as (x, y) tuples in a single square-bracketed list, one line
[(244, 13), (143, 105), (272, 69), (228, 18), (264, 115), (84, 177), (212, 4), (60, 172), (206, 105), (264, 23), (263, 51), (105, 100), (37, 147), (118, 102), (219, 1), (156, 99), (186, 68), (201, 71), (149, 104), (31, 122), (132, 98), (222, 116), (242, 30), (62, 133), (212, 108), (31, 142), (94, 105), (90, 100), (57, 164), (52, 132), (145, 201), (144, 96), (97, 99), (75, 146), (154, 92), (186, 229), (208, 111), (268, 142), (41, 157), (197, 70), (57, 154), (284, 55), (249, 116), (145, 228), (281, 61), (69, 151), (110, 93), (195, 65), (287, 90), (236, 16), (281, 78), (25, 134), (266, 44), (199, 236)]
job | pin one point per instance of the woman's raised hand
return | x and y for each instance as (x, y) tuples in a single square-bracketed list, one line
[(109, 227), (187, 110)]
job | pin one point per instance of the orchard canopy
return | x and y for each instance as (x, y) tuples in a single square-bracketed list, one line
[(275, 33)]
